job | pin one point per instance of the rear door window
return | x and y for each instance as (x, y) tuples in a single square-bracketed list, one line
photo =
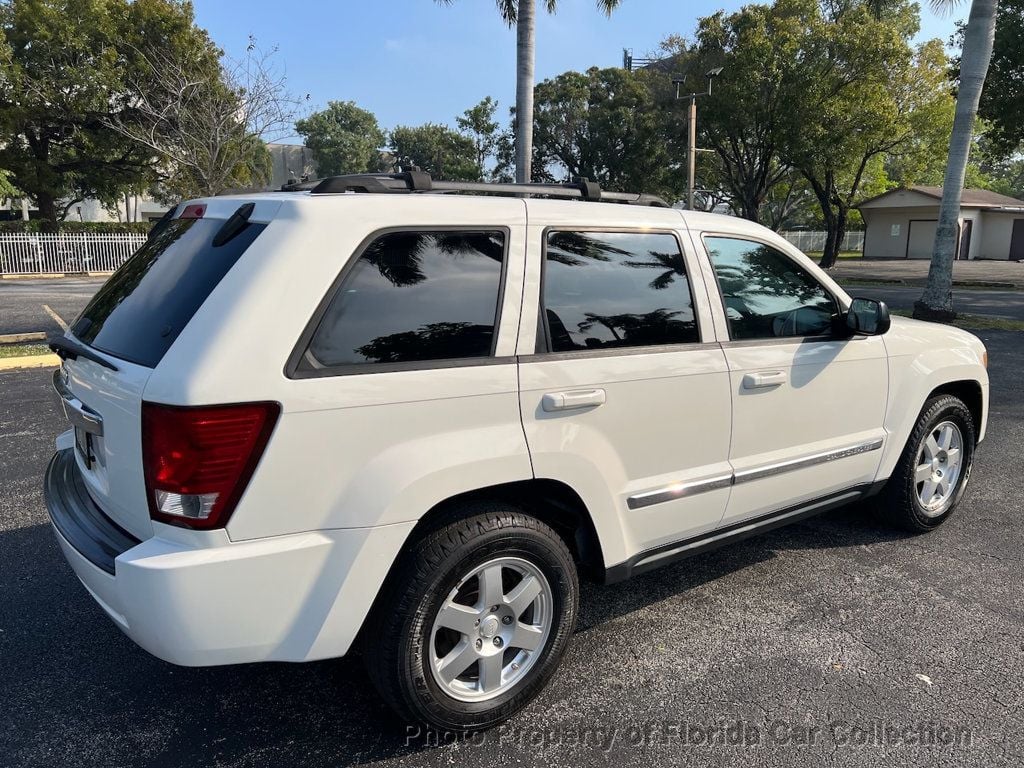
[(413, 297), (616, 289), (140, 311)]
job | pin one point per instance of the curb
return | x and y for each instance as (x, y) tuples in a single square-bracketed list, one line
[(29, 361), (21, 338)]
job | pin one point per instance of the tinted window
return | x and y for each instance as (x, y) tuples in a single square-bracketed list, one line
[(142, 308), (414, 296), (616, 289), (768, 295)]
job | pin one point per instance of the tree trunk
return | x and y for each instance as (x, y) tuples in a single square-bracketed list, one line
[(936, 303), (822, 191), (47, 206), (524, 88), (834, 238)]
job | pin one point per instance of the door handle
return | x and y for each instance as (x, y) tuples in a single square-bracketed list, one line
[(570, 400), (764, 379)]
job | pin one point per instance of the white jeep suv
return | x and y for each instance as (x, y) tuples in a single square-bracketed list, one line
[(385, 414)]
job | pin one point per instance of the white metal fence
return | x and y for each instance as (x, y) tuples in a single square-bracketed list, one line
[(815, 241), (37, 254)]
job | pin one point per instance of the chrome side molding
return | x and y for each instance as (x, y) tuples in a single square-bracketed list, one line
[(678, 490), (756, 473), (681, 489)]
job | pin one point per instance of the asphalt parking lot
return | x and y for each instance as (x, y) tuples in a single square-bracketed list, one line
[(831, 642), (31, 305)]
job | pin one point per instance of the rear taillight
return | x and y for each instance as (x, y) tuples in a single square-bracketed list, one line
[(198, 460)]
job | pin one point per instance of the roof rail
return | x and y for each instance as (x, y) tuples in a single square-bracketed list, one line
[(419, 181)]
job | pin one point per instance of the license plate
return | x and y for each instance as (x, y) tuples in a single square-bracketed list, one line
[(83, 442)]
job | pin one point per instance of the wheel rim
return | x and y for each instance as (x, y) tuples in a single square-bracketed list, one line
[(939, 468), (491, 629)]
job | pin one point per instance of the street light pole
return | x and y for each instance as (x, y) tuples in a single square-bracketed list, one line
[(691, 149)]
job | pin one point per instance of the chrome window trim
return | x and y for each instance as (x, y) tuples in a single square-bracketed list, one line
[(683, 489)]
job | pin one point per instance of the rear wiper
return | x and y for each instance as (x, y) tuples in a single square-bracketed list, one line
[(66, 349), (235, 224)]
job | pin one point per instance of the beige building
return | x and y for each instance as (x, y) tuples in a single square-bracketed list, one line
[(900, 224)]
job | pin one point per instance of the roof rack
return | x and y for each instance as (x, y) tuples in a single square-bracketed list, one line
[(419, 181)]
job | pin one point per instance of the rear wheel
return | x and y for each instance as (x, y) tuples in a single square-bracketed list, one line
[(931, 476), (474, 621)]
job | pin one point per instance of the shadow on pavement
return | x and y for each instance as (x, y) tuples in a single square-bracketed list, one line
[(75, 681)]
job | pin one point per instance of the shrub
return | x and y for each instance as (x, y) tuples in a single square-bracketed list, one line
[(100, 227)]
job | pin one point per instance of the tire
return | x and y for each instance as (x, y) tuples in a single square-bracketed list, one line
[(406, 637), (901, 501)]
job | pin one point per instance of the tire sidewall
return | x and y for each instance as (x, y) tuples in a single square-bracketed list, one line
[(429, 699), (957, 412)]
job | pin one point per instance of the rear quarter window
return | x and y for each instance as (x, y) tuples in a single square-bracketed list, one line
[(412, 297), (139, 312)]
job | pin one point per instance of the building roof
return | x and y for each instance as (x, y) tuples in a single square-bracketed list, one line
[(971, 198)]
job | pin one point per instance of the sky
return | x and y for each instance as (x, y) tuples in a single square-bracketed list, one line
[(416, 61)]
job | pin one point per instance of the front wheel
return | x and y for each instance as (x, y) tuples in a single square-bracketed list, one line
[(932, 473), (474, 621)]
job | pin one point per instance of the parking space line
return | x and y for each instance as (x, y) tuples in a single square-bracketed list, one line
[(55, 316)]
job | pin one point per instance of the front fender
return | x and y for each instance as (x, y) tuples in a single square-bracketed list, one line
[(922, 358)]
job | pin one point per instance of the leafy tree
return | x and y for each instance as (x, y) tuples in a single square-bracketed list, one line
[(479, 125), (860, 93), (343, 138), (65, 64), (436, 149), (936, 302), (7, 189), (522, 15), (757, 47), (604, 125)]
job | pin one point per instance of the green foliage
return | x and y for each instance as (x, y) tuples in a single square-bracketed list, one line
[(1002, 100), (757, 48), (101, 227), (344, 139), (604, 125), (7, 189), (479, 125), (436, 149), (65, 65)]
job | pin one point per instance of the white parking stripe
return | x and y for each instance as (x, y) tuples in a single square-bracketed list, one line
[(55, 316)]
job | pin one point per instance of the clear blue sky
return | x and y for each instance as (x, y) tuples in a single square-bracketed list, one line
[(414, 61)]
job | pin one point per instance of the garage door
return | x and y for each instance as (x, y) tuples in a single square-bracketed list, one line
[(921, 239)]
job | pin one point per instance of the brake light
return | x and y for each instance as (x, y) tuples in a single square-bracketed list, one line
[(197, 461), (194, 211)]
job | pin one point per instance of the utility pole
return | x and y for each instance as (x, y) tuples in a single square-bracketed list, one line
[(691, 150), (691, 153)]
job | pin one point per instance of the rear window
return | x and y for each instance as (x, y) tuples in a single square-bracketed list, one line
[(140, 311)]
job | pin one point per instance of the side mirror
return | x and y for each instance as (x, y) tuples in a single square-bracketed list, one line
[(868, 317)]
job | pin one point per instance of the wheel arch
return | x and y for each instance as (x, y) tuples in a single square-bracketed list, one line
[(550, 501), (970, 393)]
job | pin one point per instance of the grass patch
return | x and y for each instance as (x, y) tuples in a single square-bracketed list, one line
[(976, 322), (23, 350)]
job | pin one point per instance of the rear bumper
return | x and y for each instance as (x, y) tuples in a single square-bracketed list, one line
[(199, 599)]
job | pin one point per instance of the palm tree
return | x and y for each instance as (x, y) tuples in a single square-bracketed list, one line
[(936, 303), (522, 13)]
